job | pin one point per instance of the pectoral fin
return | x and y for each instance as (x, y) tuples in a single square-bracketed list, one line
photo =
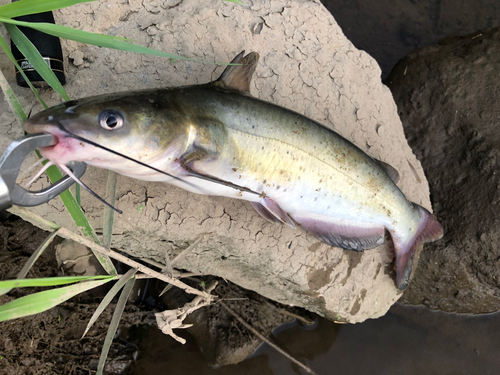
[(203, 145)]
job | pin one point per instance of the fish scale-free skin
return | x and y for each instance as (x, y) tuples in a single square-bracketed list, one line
[(295, 165), (304, 165)]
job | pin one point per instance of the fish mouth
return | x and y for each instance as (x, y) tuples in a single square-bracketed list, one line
[(62, 144), (64, 147)]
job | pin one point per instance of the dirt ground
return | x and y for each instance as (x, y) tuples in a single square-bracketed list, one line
[(50, 342)]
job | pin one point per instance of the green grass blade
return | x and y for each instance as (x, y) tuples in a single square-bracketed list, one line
[(31, 261), (54, 175), (83, 225), (9, 54), (78, 194), (42, 301), (80, 219), (50, 281), (92, 38), (120, 306), (23, 7), (109, 297), (11, 98), (109, 213), (31, 53)]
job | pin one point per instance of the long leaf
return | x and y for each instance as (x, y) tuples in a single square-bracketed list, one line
[(80, 220), (42, 301), (120, 306), (50, 281), (92, 38), (11, 98), (109, 213), (109, 297), (9, 54), (31, 261), (35, 58), (24, 7)]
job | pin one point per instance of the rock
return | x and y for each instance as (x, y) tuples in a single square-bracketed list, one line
[(306, 65), (447, 99), (77, 260), (77, 57)]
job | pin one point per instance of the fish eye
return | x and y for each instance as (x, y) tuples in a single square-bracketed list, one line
[(110, 119)]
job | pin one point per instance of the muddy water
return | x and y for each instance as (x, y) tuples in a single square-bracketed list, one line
[(408, 340)]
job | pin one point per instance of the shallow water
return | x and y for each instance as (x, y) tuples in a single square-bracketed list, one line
[(408, 340)]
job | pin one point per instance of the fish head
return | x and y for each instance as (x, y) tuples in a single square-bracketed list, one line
[(142, 125)]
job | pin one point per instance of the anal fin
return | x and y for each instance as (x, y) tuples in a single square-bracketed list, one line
[(343, 234)]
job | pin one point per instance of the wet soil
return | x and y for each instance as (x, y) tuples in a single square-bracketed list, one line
[(390, 29), (50, 342), (447, 97)]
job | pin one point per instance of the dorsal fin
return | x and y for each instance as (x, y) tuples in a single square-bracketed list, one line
[(238, 77), (390, 170)]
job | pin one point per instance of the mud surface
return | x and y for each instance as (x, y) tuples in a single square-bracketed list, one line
[(448, 100), (50, 342), (307, 65)]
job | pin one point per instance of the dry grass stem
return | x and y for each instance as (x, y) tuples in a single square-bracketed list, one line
[(169, 320), (265, 339), (65, 233)]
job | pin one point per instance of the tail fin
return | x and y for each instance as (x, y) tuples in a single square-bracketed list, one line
[(429, 230)]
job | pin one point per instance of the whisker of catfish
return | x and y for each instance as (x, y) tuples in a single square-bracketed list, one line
[(39, 173), (77, 180), (69, 134), (34, 165), (208, 178), (31, 110)]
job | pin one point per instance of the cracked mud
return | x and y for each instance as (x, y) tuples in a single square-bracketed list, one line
[(306, 65)]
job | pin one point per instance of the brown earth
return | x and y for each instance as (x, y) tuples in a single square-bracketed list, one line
[(51, 342), (448, 99), (307, 65)]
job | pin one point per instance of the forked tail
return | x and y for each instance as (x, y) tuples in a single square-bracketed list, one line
[(429, 230)]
